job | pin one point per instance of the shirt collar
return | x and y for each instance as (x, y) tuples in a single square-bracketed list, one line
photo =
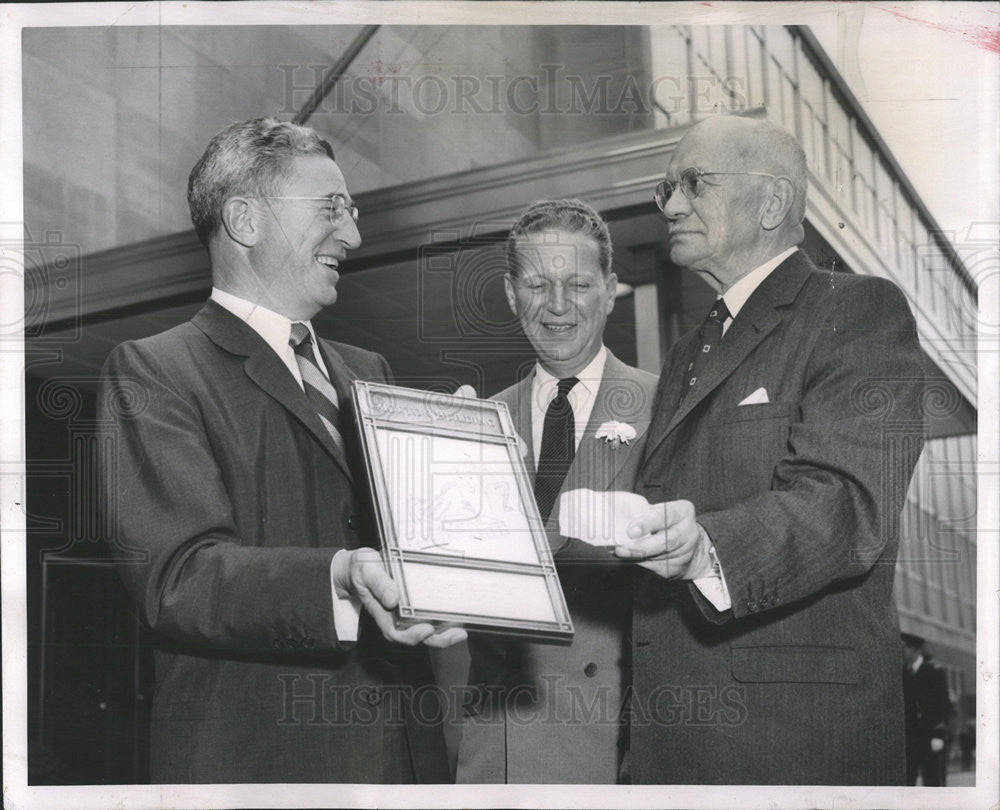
[(274, 328), (590, 377), (737, 295)]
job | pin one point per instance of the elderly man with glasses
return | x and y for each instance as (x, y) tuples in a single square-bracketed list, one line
[(785, 431), (242, 504)]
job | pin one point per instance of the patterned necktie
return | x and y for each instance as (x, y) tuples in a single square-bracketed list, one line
[(709, 336), (558, 448), (320, 392)]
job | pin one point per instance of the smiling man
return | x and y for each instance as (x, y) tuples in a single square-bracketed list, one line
[(544, 713), (239, 488)]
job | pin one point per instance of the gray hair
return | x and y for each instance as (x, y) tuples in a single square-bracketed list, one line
[(250, 159), (572, 216)]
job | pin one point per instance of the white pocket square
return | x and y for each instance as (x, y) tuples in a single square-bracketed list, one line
[(758, 397)]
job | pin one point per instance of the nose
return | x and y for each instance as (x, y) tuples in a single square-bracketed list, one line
[(556, 302), (677, 204), (348, 233)]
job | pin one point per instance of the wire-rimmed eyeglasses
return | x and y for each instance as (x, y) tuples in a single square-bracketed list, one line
[(691, 184), (338, 206)]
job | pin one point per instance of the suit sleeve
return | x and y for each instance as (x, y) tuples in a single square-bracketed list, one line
[(834, 500), (181, 558)]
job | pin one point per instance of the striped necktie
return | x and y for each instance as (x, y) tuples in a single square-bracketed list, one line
[(322, 395)]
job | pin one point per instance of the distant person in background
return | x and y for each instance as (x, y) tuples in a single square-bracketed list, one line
[(548, 713), (928, 711), (967, 744)]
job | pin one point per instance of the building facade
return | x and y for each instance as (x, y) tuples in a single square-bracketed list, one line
[(444, 134)]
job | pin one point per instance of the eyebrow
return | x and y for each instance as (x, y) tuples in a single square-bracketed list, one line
[(331, 194)]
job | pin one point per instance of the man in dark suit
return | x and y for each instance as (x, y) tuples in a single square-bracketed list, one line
[(548, 713), (928, 711), (784, 435), (240, 496)]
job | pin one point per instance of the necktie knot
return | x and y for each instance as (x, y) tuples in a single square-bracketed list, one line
[(564, 386), (300, 339), (719, 312)]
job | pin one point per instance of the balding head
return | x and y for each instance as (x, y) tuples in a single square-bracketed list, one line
[(750, 202), (749, 144)]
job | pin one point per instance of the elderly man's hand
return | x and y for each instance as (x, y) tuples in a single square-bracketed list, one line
[(668, 540), (361, 573)]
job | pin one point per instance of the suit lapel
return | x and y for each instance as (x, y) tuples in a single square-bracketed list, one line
[(756, 320), (267, 371), (520, 411), (668, 391), (597, 462)]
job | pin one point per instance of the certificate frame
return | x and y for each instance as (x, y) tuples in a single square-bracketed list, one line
[(461, 533)]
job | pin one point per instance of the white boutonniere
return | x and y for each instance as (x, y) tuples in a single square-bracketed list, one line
[(615, 433)]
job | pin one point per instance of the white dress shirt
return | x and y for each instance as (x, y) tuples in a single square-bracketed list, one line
[(581, 398), (713, 587), (737, 295), (276, 330)]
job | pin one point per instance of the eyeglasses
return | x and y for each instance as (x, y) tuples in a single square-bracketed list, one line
[(691, 184), (338, 206)]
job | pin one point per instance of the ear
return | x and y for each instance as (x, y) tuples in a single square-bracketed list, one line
[(238, 218), (778, 204), (508, 286), (611, 286)]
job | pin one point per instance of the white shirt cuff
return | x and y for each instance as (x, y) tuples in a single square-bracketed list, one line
[(713, 587), (346, 609)]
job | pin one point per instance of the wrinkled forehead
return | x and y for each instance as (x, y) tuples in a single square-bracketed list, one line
[(711, 151)]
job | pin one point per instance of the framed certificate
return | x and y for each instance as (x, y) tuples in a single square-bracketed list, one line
[(461, 534)]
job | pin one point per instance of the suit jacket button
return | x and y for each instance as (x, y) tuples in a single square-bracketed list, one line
[(308, 642), (352, 523), (752, 605), (590, 670), (291, 643)]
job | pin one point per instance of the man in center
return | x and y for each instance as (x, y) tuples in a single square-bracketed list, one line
[(540, 712)]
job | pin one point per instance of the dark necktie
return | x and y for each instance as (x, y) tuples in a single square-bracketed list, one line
[(558, 448), (709, 336), (320, 392)]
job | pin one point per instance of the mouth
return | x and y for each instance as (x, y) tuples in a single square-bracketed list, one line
[(558, 328), (329, 261)]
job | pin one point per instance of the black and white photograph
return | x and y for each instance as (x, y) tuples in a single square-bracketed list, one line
[(544, 404)]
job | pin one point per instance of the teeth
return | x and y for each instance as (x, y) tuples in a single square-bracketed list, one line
[(329, 261), (559, 327)]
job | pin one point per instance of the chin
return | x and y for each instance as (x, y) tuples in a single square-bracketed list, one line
[(677, 256)]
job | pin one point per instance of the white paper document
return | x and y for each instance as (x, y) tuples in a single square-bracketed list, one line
[(599, 518)]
